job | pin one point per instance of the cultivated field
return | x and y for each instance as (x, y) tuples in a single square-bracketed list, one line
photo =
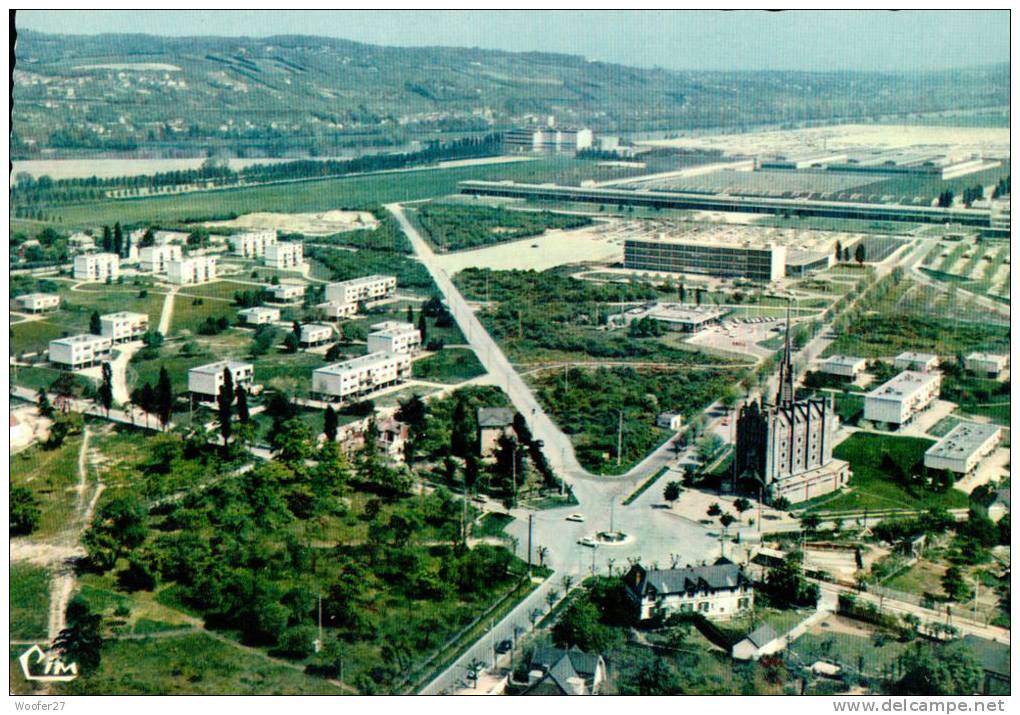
[(325, 223)]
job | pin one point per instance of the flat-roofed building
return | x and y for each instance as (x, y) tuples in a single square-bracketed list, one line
[(899, 399), (916, 361), (758, 263), (395, 337), (548, 139), (96, 267), (679, 316), (205, 381), (156, 259), (259, 315), (38, 302), (78, 351), (285, 255), (192, 270), (359, 290), (287, 292), (124, 326), (843, 366), (252, 244), (360, 375), (998, 216), (963, 448), (313, 334), (986, 364), (335, 311)]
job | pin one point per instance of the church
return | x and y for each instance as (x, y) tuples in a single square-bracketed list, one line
[(784, 449)]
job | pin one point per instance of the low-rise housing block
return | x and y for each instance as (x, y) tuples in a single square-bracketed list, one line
[(205, 381), (395, 337), (360, 375), (252, 244), (963, 448), (123, 326), (78, 351), (285, 255), (192, 270), (898, 400), (359, 290), (38, 302), (916, 361), (96, 267), (259, 315)]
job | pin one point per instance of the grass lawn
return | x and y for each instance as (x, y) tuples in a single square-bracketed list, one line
[(36, 377), (492, 524), (51, 475), (872, 488), (921, 578), (188, 316), (34, 336), (848, 650), (450, 365), (30, 601), (195, 664)]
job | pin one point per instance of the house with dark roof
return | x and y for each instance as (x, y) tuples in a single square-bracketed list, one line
[(493, 423), (763, 640), (719, 590), (555, 671)]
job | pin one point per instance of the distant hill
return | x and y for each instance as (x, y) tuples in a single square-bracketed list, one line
[(167, 96)]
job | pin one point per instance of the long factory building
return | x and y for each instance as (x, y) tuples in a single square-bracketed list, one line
[(718, 202)]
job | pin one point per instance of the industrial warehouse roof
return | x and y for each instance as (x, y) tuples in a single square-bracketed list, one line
[(962, 441)]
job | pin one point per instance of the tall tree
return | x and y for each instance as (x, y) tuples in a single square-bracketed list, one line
[(80, 642), (118, 239), (859, 253), (839, 250), (410, 315), (105, 392), (423, 327), (164, 397), (107, 241), (242, 404), (330, 426), (95, 324), (45, 408), (224, 401)]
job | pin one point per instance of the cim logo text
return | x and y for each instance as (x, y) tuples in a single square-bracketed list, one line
[(37, 664)]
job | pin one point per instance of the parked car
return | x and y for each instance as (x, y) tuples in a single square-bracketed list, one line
[(575, 517), (504, 646), (586, 541)]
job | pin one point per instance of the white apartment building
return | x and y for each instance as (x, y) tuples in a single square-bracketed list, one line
[(360, 375), (963, 448), (287, 292), (286, 255), (156, 259), (205, 381), (252, 244), (123, 326), (986, 364), (359, 290), (259, 315), (844, 366), (916, 361), (192, 270), (899, 399), (394, 337), (96, 267), (38, 302), (315, 334), (335, 311), (721, 590), (78, 351)]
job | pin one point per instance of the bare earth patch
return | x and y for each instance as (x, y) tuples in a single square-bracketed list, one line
[(323, 223)]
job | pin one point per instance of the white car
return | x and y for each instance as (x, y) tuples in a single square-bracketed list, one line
[(586, 541), (575, 517)]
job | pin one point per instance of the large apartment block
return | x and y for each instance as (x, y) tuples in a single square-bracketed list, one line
[(96, 267), (124, 326), (79, 351), (761, 263), (898, 400), (285, 255), (189, 271), (359, 290), (394, 337), (205, 381), (360, 375), (548, 139), (38, 302), (252, 244), (156, 259)]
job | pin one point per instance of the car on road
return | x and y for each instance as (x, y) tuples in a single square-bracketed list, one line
[(575, 517), (586, 541), (504, 646)]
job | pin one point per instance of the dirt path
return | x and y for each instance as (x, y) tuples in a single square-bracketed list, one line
[(168, 312)]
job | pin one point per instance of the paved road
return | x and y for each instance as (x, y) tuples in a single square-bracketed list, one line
[(131, 416)]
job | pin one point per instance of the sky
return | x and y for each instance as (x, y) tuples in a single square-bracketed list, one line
[(707, 40)]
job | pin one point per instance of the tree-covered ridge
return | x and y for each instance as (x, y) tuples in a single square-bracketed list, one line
[(283, 93), (455, 227)]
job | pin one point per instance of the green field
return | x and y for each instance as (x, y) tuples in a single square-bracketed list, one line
[(451, 365), (848, 650), (30, 601), (872, 488), (457, 227), (51, 475), (364, 191), (195, 664)]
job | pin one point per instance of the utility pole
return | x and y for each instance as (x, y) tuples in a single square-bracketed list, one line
[(530, 525), (619, 441), (318, 641), (492, 639)]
